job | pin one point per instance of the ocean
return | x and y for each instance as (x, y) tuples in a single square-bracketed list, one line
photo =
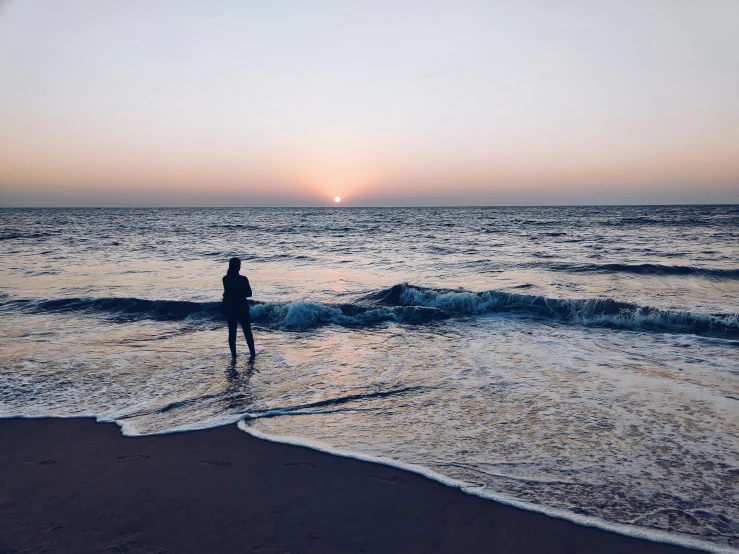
[(579, 361)]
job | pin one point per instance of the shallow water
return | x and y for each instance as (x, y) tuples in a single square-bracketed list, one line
[(582, 360)]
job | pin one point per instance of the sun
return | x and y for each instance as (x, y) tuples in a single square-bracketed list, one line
[(337, 199)]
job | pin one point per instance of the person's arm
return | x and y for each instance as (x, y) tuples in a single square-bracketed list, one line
[(247, 288)]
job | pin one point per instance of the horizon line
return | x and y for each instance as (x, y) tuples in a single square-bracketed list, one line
[(333, 207)]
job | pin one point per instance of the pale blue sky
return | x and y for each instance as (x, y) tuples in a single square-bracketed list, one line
[(289, 103)]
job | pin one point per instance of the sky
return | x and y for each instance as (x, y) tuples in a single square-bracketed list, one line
[(383, 103)]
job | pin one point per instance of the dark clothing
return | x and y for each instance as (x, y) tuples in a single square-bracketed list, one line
[(236, 290), (234, 318)]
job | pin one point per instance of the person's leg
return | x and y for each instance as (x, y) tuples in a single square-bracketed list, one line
[(246, 326), (232, 324)]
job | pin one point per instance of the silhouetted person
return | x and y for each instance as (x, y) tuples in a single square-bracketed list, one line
[(236, 290)]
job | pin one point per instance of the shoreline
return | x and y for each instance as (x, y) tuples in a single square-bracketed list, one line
[(631, 531), (75, 485)]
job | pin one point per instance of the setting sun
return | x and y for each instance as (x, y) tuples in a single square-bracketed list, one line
[(337, 199)]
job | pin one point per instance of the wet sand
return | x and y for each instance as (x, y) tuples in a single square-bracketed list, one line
[(78, 486)]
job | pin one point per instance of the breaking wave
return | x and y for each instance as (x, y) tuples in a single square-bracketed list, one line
[(592, 311), (288, 315), (402, 303)]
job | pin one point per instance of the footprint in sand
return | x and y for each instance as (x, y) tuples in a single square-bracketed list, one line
[(299, 464), (219, 464), (54, 527), (392, 479), (135, 456)]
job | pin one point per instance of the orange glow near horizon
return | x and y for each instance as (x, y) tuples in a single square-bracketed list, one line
[(482, 104)]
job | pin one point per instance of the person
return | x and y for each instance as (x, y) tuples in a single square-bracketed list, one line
[(236, 290)]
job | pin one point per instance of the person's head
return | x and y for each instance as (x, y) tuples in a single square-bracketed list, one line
[(234, 265)]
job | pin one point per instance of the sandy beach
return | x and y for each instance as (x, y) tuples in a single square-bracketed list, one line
[(74, 485)]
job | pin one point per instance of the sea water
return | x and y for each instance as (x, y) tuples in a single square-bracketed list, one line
[(581, 361)]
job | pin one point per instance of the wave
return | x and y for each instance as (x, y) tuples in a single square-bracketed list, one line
[(646, 269), (288, 315), (12, 235), (593, 311), (300, 315), (402, 303), (128, 309)]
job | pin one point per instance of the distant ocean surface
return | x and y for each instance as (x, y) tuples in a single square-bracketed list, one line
[(581, 361)]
